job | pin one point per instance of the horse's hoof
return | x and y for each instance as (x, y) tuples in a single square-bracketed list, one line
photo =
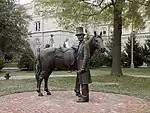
[(49, 93), (40, 94)]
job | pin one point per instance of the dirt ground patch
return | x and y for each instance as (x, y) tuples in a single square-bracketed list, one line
[(65, 102)]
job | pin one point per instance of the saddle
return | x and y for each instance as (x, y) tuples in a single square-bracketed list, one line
[(66, 56), (59, 52)]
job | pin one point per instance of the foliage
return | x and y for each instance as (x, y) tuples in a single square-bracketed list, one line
[(87, 36), (1, 63), (26, 63), (13, 26), (8, 57), (108, 53), (124, 59), (146, 51), (82, 12), (137, 52), (87, 13), (27, 59), (99, 60), (107, 60), (96, 60)]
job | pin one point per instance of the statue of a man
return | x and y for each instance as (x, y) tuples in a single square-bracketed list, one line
[(83, 72), (52, 41), (66, 43)]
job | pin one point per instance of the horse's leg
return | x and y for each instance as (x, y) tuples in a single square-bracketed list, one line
[(46, 83), (37, 80), (38, 74), (40, 79)]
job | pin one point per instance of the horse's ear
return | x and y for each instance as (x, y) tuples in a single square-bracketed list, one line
[(95, 34), (100, 34)]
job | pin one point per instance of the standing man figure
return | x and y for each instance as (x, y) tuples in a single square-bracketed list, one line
[(83, 72)]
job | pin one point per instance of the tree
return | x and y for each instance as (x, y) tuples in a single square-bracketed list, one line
[(118, 12), (13, 26), (146, 51), (137, 52), (27, 59), (108, 53), (1, 64)]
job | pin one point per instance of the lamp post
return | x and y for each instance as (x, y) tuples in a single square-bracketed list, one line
[(132, 62)]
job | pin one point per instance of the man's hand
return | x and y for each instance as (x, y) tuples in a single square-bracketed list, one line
[(81, 71)]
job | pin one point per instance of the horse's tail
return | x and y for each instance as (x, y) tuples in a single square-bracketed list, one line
[(38, 67)]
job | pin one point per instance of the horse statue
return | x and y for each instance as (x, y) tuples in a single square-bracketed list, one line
[(62, 58)]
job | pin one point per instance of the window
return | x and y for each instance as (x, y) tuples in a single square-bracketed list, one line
[(104, 32), (37, 26)]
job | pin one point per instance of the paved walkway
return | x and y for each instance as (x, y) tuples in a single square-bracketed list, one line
[(65, 102), (10, 68), (28, 77), (141, 76)]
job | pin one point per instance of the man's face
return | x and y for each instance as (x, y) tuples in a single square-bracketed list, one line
[(80, 37)]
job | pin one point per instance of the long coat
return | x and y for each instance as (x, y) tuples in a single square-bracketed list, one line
[(83, 60)]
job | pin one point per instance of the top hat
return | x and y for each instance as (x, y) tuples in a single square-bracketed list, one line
[(79, 31)]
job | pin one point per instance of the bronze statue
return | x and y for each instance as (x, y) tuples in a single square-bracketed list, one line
[(85, 51), (80, 35), (63, 58), (51, 58)]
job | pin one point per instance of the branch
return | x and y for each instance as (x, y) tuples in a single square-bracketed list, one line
[(108, 5), (101, 3), (90, 14), (138, 2), (113, 2), (95, 5)]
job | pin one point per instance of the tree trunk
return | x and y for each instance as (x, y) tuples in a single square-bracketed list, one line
[(116, 51)]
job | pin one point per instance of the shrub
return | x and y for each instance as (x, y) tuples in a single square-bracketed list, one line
[(8, 57), (107, 60), (27, 59), (124, 60), (26, 63), (96, 61), (146, 52)]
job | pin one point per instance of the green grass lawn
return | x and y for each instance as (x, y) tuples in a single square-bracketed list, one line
[(95, 72), (10, 64), (102, 81)]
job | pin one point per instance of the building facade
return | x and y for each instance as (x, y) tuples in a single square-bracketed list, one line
[(46, 31)]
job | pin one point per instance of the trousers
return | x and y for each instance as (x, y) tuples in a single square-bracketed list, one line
[(84, 88)]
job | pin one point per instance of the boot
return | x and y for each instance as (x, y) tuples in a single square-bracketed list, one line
[(85, 94), (83, 99)]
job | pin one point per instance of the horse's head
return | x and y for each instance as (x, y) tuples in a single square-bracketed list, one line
[(98, 42)]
